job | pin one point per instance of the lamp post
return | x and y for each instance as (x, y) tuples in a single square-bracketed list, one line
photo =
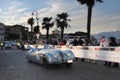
[(20, 33), (36, 17), (37, 34)]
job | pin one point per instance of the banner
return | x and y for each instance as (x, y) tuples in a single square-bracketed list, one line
[(92, 52), (96, 52)]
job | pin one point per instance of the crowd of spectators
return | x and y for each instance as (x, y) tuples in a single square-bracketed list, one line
[(78, 41)]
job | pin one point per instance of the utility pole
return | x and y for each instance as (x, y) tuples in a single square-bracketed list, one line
[(37, 18), (37, 25), (21, 33), (32, 25)]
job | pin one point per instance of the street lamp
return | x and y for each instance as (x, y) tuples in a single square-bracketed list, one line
[(37, 23), (36, 16)]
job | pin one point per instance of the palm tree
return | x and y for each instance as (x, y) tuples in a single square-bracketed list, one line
[(62, 22), (90, 4), (36, 29), (31, 23), (47, 24)]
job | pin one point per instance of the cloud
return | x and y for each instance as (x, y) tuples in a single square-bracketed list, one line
[(13, 5), (44, 9), (22, 9), (0, 10), (16, 13), (12, 15), (76, 13), (105, 23)]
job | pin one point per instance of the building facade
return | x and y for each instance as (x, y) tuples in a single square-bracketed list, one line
[(2, 32), (15, 32)]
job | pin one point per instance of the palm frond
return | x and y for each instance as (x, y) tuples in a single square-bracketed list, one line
[(82, 1), (99, 1)]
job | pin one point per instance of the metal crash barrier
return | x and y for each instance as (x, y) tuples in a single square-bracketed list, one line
[(96, 52)]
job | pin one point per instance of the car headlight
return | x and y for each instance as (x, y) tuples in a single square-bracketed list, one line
[(55, 55), (68, 54)]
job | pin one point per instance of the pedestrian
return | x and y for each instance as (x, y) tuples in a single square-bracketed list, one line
[(18, 45), (92, 42), (63, 42), (54, 41), (112, 42), (80, 42), (1, 44), (22, 46), (75, 42), (104, 43)]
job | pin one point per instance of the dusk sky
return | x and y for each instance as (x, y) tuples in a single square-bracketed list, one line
[(105, 17)]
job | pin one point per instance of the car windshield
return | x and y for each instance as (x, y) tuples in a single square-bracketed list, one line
[(7, 43)]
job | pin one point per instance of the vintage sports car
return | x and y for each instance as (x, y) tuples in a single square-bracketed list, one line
[(48, 56)]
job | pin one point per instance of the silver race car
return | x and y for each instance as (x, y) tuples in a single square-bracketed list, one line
[(48, 56)]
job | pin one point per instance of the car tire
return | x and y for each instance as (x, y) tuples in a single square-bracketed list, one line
[(29, 61), (45, 63), (68, 64)]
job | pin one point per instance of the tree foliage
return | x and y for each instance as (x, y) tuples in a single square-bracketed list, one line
[(47, 24), (90, 4), (36, 29), (30, 21), (62, 22)]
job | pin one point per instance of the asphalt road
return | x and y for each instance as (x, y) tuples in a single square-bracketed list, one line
[(14, 66)]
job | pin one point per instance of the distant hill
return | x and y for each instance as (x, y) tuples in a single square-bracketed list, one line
[(115, 34)]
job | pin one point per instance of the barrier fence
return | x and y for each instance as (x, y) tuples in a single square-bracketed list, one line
[(96, 52), (93, 52)]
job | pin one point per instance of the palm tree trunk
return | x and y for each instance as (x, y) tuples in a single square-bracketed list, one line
[(31, 35), (47, 34), (89, 21), (62, 33)]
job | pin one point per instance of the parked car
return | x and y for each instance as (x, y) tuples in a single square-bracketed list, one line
[(48, 56), (13, 43), (7, 45)]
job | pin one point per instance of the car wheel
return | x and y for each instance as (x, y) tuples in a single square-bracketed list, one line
[(27, 58), (29, 61), (45, 63), (68, 64)]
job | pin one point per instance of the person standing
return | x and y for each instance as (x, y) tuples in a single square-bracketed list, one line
[(92, 42), (104, 43), (1, 44), (112, 43), (80, 42), (75, 43)]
